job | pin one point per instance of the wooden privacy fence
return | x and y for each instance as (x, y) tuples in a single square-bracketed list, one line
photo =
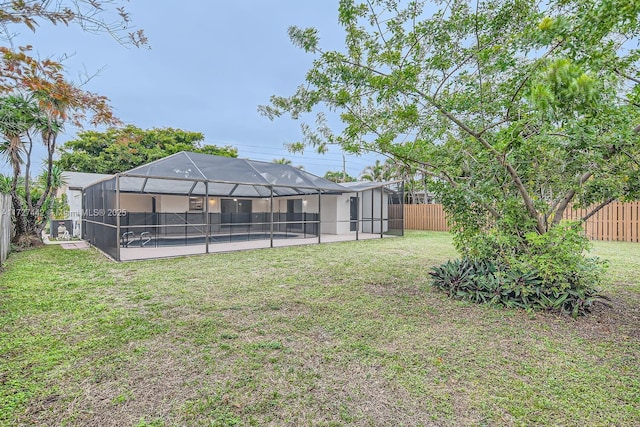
[(616, 221), (5, 226), (425, 217)]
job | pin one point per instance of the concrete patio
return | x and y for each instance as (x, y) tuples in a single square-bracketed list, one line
[(140, 253)]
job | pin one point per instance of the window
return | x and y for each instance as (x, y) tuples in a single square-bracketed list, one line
[(196, 203), (294, 206), (235, 205)]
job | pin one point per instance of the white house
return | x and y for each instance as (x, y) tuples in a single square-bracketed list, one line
[(72, 185), (198, 200)]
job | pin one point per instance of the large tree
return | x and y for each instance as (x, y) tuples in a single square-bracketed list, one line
[(95, 16), (517, 110), (41, 115), (121, 149), (37, 99), (20, 71)]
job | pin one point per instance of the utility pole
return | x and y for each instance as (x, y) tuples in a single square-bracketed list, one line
[(344, 168)]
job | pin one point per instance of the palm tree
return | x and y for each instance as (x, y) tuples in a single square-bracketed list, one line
[(5, 184), (18, 117), (372, 173), (407, 173), (52, 102), (53, 111), (285, 161), (392, 170), (282, 161), (57, 181), (379, 171), (338, 176)]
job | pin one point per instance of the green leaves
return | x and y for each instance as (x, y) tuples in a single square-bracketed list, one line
[(517, 110), (306, 38), (121, 149), (485, 282), (563, 89)]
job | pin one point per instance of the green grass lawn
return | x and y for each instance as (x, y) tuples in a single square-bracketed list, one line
[(340, 334)]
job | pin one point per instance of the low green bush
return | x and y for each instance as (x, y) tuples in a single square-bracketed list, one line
[(481, 281)]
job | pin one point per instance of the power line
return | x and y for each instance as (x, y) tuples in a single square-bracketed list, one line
[(316, 160)]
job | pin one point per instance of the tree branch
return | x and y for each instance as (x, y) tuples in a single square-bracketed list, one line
[(564, 202), (528, 201), (27, 168), (526, 197), (492, 125), (446, 76), (596, 209), (626, 76), (426, 166), (477, 32), (375, 18), (528, 76)]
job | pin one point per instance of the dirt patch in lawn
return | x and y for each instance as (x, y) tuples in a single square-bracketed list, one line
[(393, 290), (146, 383), (620, 318)]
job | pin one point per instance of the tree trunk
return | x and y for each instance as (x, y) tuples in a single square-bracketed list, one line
[(30, 219), (16, 201), (50, 142), (18, 216)]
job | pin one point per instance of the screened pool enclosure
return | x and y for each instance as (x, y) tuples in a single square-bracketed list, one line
[(191, 203)]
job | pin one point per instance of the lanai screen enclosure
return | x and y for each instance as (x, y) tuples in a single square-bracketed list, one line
[(191, 203)]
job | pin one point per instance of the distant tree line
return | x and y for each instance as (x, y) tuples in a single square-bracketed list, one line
[(121, 149)]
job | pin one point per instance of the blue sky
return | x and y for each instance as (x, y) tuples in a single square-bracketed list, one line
[(210, 65)]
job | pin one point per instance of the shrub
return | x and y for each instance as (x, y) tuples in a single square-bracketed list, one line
[(505, 262), (481, 281)]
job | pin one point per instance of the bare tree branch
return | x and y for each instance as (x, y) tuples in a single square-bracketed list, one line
[(596, 209), (564, 202)]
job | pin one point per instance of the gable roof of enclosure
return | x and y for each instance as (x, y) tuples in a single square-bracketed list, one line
[(187, 173), (369, 185)]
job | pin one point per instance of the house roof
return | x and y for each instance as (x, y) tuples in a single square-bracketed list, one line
[(79, 180), (187, 173)]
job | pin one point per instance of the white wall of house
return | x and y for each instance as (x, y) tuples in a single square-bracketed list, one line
[(214, 205), (370, 211), (343, 213), (171, 203), (74, 200), (260, 205), (328, 213), (280, 205), (336, 210), (334, 213), (72, 189), (310, 203), (136, 202), (167, 203)]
